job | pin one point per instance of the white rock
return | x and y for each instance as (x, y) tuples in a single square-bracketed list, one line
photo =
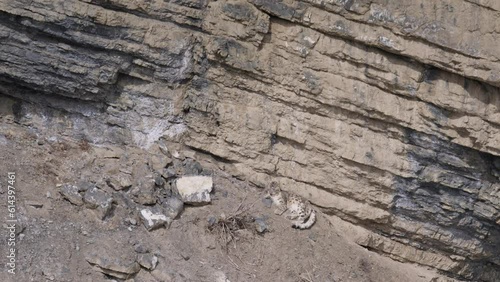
[(154, 218), (220, 277), (195, 190), (148, 261)]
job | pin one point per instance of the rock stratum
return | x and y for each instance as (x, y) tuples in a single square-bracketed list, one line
[(385, 114)]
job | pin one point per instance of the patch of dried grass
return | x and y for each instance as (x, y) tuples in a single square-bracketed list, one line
[(226, 228)]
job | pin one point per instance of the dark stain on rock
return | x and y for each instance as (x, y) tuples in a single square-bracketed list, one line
[(313, 83), (239, 11), (17, 110), (280, 9), (200, 83), (440, 115), (443, 196), (430, 74), (274, 139)]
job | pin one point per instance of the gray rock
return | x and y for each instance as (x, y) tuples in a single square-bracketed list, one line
[(212, 220), (83, 185), (165, 192), (140, 248), (119, 181), (3, 140), (169, 173), (144, 192), (173, 207), (124, 200), (34, 204), (195, 190), (163, 147), (70, 193), (130, 221), (261, 225), (159, 181), (148, 261), (191, 167), (159, 162), (154, 218), (99, 201), (114, 261)]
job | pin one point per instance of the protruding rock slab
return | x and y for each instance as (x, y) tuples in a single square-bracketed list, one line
[(195, 190), (120, 181), (117, 262), (71, 193), (98, 200)]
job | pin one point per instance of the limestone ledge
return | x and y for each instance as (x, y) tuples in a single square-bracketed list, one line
[(385, 115)]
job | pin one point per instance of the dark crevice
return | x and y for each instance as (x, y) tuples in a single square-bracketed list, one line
[(195, 26), (56, 33), (17, 90), (214, 156), (276, 138), (50, 33)]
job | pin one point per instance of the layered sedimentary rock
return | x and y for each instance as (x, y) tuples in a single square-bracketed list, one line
[(386, 115)]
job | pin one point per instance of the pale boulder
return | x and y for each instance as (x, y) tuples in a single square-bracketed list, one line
[(195, 190)]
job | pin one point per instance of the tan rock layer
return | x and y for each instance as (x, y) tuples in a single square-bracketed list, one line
[(386, 115)]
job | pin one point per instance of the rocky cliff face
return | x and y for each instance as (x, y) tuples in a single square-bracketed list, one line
[(383, 113)]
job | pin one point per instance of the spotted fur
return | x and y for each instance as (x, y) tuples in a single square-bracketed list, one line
[(295, 208)]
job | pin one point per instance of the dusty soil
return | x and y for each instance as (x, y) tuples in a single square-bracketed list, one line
[(54, 237)]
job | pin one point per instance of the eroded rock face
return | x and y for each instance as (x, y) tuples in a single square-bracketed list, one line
[(384, 114)]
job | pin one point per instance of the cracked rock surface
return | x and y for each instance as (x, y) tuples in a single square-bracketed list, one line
[(385, 116)]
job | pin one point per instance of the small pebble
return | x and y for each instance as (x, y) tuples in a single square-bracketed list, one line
[(260, 225), (211, 220)]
